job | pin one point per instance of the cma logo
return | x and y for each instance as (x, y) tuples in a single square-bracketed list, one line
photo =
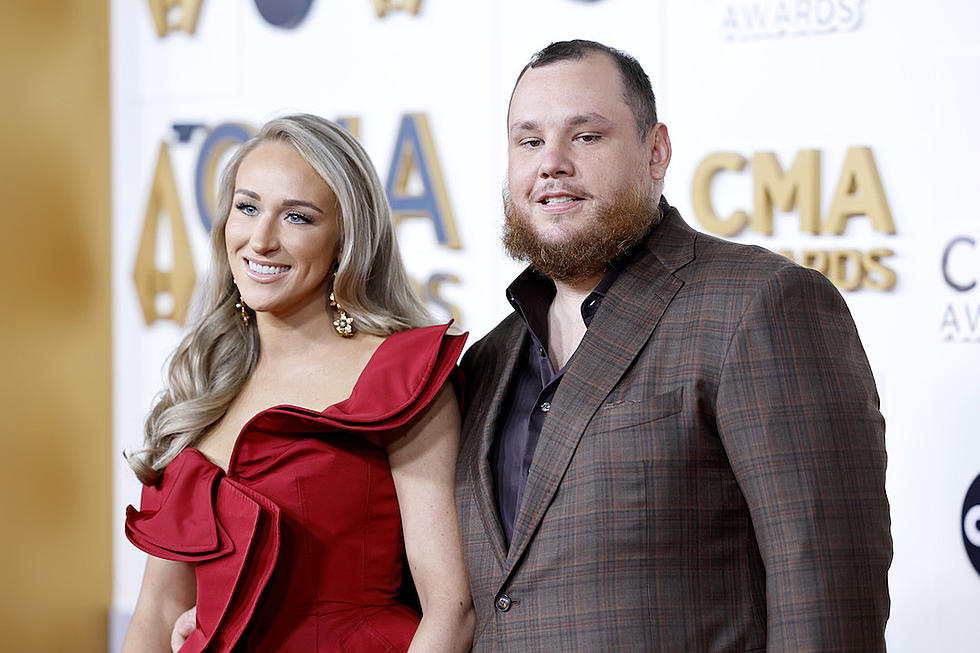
[(181, 15), (971, 523), (961, 272), (859, 193), (755, 19), (165, 281)]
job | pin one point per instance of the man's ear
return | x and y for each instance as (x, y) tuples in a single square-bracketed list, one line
[(658, 144)]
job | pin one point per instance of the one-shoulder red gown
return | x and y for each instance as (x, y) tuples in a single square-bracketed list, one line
[(299, 545)]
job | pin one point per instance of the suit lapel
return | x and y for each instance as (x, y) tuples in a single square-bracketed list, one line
[(624, 323), (487, 402)]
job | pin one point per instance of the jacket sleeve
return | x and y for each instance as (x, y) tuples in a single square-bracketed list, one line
[(798, 414)]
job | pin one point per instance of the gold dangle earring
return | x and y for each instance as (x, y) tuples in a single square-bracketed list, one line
[(344, 322), (241, 305)]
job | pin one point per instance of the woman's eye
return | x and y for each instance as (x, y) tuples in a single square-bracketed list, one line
[(247, 209), (297, 218)]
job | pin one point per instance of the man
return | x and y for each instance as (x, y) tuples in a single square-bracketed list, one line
[(673, 443)]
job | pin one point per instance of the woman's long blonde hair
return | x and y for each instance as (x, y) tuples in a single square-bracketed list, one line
[(212, 362)]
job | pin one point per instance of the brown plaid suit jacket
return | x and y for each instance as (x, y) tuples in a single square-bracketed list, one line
[(710, 476)]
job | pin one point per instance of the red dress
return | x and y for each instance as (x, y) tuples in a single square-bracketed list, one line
[(299, 546)]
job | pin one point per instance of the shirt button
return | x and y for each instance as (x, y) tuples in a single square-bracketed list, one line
[(545, 407), (542, 351), (503, 603)]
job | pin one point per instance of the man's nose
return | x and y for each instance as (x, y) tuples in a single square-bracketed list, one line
[(556, 161)]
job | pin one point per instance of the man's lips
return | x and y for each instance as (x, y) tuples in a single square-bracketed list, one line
[(554, 200), (558, 195), (559, 201)]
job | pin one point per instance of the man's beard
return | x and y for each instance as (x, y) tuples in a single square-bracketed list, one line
[(610, 232)]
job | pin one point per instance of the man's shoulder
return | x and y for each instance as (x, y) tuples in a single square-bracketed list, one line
[(678, 245), (709, 266), (714, 258), (499, 339), (738, 258)]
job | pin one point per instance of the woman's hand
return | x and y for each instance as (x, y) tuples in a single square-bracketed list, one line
[(186, 623)]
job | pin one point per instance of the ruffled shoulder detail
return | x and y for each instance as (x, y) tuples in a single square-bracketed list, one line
[(410, 369), (195, 513), (403, 376), (176, 519)]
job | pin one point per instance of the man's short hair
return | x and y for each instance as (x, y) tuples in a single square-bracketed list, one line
[(637, 90)]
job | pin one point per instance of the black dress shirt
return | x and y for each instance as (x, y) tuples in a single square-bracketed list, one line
[(535, 380), (533, 387)]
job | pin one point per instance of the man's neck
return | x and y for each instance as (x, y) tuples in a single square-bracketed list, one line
[(566, 328)]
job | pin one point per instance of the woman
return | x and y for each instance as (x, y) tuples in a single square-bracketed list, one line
[(285, 525)]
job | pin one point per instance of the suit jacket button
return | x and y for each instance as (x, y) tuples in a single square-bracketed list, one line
[(503, 603)]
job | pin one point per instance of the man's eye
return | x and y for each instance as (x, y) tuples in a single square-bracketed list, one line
[(531, 142), (589, 138)]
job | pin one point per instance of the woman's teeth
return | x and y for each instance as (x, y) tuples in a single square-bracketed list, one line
[(266, 269)]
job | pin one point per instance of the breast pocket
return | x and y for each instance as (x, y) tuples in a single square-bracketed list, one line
[(628, 456), (632, 411)]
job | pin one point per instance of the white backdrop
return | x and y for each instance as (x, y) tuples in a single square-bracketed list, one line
[(895, 80)]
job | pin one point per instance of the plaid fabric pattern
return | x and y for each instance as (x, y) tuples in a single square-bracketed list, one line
[(710, 476)]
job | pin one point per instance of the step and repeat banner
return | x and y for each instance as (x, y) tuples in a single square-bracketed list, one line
[(840, 133)]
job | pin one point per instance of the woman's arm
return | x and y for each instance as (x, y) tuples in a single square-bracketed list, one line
[(423, 464), (168, 590)]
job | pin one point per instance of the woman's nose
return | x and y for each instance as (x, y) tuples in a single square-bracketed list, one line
[(264, 236)]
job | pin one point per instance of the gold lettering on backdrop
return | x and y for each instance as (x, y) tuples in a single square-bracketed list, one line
[(859, 192), (175, 15), (430, 293), (384, 6), (849, 269), (434, 201), (817, 259), (846, 269), (885, 277), (701, 193), (151, 282), (800, 187), (434, 296)]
